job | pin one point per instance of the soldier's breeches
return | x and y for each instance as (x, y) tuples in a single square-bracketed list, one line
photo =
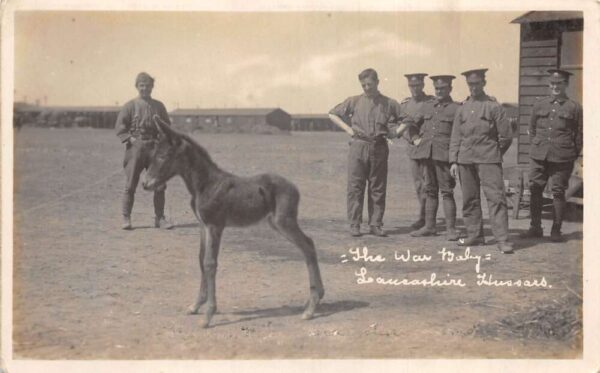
[(488, 177), (436, 177), (367, 164), (539, 173)]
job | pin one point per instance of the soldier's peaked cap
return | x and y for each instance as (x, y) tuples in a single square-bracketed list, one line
[(415, 79), (557, 75), (475, 75), (442, 80)]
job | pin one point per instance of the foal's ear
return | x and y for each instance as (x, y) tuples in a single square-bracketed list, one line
[(165, 129)]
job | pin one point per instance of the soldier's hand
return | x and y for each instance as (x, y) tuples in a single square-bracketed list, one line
[(417, 141), (454, 170)]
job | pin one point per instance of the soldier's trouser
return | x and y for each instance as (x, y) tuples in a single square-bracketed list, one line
[(367, 164), (488, 176), (417, 174), (437, 178), (539, 173), (137, 158)]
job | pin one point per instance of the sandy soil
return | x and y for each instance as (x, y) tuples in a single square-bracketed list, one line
[(84, 289)]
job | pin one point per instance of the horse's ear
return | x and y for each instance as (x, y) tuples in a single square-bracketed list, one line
[(165, 129)]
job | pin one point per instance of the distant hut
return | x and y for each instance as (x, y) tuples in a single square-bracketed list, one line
[(549, 40), (251, 120)]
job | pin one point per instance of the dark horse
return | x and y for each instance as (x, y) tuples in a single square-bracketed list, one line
[(220, 199)]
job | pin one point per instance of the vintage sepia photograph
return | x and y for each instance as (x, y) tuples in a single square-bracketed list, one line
[(327, 184)]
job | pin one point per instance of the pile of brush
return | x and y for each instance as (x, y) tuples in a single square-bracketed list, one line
[(560, 320)]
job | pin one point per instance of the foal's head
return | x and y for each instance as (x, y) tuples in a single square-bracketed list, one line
[(164, 162)]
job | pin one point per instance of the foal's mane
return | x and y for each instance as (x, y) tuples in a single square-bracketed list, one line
[(197, 147)]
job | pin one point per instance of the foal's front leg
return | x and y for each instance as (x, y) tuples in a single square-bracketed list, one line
[(201, 299), (213, 242)]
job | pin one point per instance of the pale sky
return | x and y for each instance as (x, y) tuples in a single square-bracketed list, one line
[(301, 62)]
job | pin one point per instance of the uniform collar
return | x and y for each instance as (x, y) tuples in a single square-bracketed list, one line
[(375, 96), (444, 101), (422, 97), (561, 99)]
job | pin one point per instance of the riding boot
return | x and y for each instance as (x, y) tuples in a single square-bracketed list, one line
[(450, 215), (421, 222), (535, 207), (560, 206), (159, 203), (127, 203), (431, 207)]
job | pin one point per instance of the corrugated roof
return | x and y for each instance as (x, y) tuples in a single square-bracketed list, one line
[(547, 16), (231, 112)]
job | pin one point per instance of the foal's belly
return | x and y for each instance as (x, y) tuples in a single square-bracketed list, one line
[(246, 205)]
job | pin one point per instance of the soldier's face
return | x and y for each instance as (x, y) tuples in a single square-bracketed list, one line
[(558, 88), (443, 92), (144, 88), (416, 89), (369, 85), (476, 89)]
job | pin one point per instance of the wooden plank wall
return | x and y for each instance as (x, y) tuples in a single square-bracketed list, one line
[(536, 57)]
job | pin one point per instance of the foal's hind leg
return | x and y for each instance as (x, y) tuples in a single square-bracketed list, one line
[(288, 227)]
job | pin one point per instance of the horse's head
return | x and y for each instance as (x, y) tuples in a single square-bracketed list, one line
[(163, 161)]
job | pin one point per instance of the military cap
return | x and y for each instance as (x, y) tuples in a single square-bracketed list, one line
[(557, 75), (415, 79), (442, 80), (474, 76), (144, 77)]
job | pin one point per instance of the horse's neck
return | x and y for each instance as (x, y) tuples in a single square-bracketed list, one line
[(199, 172)]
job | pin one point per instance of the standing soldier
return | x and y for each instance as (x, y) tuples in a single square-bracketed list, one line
[(411, 111), (431, 152), (138, 132), (556, 136), (368, 116), (481, 135)]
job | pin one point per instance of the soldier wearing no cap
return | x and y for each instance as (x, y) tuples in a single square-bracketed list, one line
[(411, 113), (481, 134), (431, 151), (366, 117), (556, 137), (138, 132)]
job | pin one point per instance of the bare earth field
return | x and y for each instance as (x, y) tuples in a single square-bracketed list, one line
[(84, 289)]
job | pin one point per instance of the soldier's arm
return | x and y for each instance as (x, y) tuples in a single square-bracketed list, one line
[(503, 128), (579, 133), (163, 113), (123, 124), (344, 109), (532, 123), (455, 138)]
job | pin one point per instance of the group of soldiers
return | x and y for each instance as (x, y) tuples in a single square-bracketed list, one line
[(448, 140)]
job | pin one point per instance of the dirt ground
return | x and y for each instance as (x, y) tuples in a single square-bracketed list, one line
[(84, 289)]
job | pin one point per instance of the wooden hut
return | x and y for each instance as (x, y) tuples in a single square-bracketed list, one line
[(549, 40)]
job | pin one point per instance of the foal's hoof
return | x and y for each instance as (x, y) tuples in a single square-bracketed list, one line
[(307, 315), (192, 310)]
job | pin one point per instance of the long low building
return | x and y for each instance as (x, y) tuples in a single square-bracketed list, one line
[(231, 120), (66, 116), (313, 122)]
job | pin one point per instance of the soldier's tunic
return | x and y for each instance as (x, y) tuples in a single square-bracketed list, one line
[(481, 134), (556, 137), (411, 109), (432, 151), (135, 126), (368, 155)]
